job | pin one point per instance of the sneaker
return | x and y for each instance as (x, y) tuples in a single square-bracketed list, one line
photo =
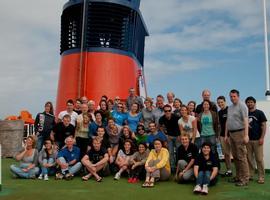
[(68, 176), (117, 176), (46, 178), (59, 176), (40, 177), (197, 189), (227, 174), (135, 180), (241, 184), (205, 189), (130, 180)]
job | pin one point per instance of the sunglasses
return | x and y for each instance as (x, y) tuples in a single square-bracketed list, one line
[(167, 111)]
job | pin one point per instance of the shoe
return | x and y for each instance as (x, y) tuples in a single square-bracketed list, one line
[(260, 181), (204, 189), (40, 177), (117, 176), (59, 176), (99, 179), (130, 180), (46, 178), (135, 180), (241, 184), (227, 174), (68, 176), (197, 189)]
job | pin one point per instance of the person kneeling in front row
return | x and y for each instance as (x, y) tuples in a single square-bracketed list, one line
[(68, 160), (205, 169)]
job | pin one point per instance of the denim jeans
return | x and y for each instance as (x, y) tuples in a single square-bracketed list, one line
[(48, 170), (40, 142), (203, 178), (72, 169), (18, 171), (173, 144)]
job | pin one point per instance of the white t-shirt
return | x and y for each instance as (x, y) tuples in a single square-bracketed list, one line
[(73, 116), (187, 126)]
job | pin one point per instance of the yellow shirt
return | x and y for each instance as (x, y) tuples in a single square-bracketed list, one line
[(163, 156)]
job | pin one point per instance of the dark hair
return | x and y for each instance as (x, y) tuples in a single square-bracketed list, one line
[(160, 96), (142, 143), (193, 103), (209, 102), (70, 101), (235, 92), (140, 126), (51, 107), (157, 139), (206, 144), (105, 104), (250, 98), (167, 106), (67, 116), (46, 150), (105, 97), (221, 98), (98, 112), (79, 100), (177, 99)]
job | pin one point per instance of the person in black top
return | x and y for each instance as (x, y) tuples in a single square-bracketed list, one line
[(205, 169), (226, 147), (44, 124), (168, 124), (62, 130), (186, 155), (256, 133), (96, 160), (206, 95)]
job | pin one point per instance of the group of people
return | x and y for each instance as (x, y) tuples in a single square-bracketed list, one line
[(147, 142)]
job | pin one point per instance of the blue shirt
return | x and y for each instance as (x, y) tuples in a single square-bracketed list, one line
[(151, 138), (133, 121), (70, 155), (119, 117), (93, 129)]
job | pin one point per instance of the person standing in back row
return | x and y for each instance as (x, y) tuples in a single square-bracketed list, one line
[(206, 96), (237, 127), (256, 132)]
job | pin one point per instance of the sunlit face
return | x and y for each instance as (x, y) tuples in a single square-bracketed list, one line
[(126, 132), (234, 98), (69, 142), (127, 146), (251, 104), (100, 132), (152, 127), (157, 145), (120, 107), (206, 106), (84, 100), (134, 107), (141, 148), (103, 105), (66, 121), (185, 141), (110, 105), (184, 111), (96, 145), (47, 108), (98, 117), (48, 144), (86, 119), (191, 107), (29, 142), (170, 97), (78, 105), (140, 131), (91, 106), (160, 102), (206, 150), (221, 103), (70, 107), (147, 104), (111, 123), (177, 104), (84, 108), (206, 95), (167, 111)]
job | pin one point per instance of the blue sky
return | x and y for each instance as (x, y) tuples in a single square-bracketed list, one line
[(193, 45)]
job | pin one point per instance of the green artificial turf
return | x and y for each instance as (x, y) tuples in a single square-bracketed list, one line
[(19, 189)]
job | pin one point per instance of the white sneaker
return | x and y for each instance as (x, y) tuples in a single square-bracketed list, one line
[(40, 177), (197, 189), (117, 176), (46, 178), (205, 189)]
